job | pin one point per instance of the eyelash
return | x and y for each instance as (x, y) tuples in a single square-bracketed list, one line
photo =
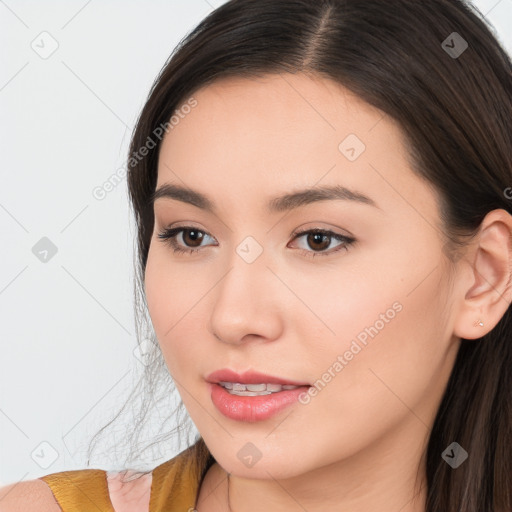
[(168, 236)]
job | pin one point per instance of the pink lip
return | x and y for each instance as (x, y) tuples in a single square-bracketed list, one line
[(251, 408), (249, 377)]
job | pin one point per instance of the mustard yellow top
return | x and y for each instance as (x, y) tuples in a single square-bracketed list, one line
[(174, 487)]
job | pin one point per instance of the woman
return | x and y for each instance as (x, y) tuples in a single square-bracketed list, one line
[(322, 194)]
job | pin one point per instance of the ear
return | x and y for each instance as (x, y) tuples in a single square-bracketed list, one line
[(486, 290)]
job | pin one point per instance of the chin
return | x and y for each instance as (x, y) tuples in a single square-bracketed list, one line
[(269, 463)]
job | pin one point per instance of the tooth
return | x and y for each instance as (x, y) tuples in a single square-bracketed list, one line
[(274, 387), (248, 393), (239, 387), (256, 387), (227, 385), (287, 386)]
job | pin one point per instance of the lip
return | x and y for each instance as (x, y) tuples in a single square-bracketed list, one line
[(252, 408), (249, 377)]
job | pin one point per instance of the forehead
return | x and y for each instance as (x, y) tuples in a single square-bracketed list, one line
[(269, 134), (283, 104), (272, 121)]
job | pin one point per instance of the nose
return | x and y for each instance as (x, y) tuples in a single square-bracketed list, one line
[(246, 304)]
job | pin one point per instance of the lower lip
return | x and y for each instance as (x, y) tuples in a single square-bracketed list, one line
[(253, 408)]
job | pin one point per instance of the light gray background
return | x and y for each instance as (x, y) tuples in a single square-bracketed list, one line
[(67, 330)]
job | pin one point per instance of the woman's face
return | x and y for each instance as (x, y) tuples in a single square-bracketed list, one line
[(368, 324)]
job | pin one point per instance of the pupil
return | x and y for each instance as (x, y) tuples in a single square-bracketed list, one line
[(317, 238), (194, 235)]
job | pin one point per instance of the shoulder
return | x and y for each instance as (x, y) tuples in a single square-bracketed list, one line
[(129, 491), (176, 482), (29, 496), (126, 491), (172, 483)]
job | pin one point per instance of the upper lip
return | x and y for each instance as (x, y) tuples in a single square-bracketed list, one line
[(249, 377)]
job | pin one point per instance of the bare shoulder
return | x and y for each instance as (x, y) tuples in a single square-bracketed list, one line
[(29, 496), (129, 491)]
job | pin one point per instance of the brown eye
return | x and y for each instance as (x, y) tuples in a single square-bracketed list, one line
[(318, 241), (192, 237)]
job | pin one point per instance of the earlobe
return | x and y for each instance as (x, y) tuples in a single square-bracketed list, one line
[(486, 290)]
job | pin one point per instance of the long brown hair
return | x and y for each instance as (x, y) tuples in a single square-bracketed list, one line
[(452, 98)]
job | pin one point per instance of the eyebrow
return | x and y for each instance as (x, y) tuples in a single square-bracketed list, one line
[(277, 204)]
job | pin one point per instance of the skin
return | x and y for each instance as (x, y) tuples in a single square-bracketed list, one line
[(358, 444)]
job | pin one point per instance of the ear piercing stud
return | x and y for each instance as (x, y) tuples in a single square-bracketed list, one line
[(479, 323)]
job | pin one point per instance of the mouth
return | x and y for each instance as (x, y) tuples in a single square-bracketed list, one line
[(251, 377), (252, 396), (239, 389)]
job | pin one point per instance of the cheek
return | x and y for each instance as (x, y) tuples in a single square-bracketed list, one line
[(157, 293), (390, 352), (382, 308), (174, 304), (355, 300), (385, 292)]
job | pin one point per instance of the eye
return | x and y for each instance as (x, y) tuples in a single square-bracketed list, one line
[(192, 237), (320, 239), (188, 234)]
